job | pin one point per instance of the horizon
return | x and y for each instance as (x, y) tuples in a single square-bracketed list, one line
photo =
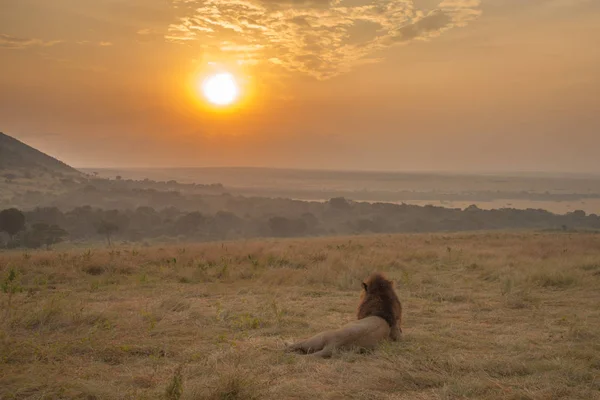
[(491, 173), (448, 86)]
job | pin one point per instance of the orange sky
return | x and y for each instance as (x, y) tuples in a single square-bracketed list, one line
[(451, 85)]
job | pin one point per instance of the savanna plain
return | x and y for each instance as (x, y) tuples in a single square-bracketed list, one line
[(502, 315)]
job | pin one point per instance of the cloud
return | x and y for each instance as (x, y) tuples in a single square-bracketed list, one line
[(100, 44), (431, 24), (12, 42), (321, 38)]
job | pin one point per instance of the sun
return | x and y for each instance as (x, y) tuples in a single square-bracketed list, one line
[(221, 89)]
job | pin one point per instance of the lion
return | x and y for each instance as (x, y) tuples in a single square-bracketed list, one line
[(379, 317)]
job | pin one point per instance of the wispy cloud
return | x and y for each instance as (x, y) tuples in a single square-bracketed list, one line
[(88, 43), (12, 42), (322, 38)]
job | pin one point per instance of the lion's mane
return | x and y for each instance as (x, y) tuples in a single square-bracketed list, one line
[(379, 299)]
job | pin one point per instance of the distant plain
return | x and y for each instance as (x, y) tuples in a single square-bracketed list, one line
[(557, 193)]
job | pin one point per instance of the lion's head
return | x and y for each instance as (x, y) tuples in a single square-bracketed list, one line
[(378, 298)]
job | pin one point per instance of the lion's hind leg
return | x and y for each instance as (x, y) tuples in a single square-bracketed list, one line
[(326, 352), (308, 346), (298, 348)]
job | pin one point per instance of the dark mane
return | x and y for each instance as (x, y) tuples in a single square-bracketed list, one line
[(379, 299)]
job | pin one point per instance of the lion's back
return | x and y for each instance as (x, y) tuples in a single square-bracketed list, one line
[(364, 333)]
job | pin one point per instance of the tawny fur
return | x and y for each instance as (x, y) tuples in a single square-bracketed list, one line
[(379, 317), (379, 298)]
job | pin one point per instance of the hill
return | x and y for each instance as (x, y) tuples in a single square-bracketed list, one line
[(16, 156), (25, 170)]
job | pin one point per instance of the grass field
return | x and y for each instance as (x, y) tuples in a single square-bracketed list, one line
[(486, 316)]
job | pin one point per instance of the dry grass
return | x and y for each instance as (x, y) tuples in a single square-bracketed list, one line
[(489, 315)]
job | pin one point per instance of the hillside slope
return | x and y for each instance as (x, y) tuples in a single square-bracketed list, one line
[(16, 156), (27, 172)]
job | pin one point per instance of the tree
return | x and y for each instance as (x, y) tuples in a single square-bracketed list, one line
[(10, 177), (282, 226), (339, 203), (12, 221), (191, 223), (42, 234), (311, 221), (279, 226), (226, 222), (107, 229)]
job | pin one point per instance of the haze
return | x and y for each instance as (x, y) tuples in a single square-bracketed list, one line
[(452, 85)]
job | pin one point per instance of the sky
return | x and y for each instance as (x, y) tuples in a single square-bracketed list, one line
[(398, 85)]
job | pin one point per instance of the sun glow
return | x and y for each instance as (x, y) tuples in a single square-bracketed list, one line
[(221, 89)]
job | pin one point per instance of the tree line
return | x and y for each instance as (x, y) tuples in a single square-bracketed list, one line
[(254, 217)]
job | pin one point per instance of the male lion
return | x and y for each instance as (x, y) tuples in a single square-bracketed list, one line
[(379, 317)]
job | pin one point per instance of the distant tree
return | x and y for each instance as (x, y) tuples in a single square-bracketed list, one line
[(578, 214), (310, 220), (10, 177), (108, 229), (190, 223), (48, 215), (282, 226), (12, 221), (226, 221), (299, 227), (367, 225), (145, 210), (279, 226), (472, 208), (119, 177), (42, 234), (339, 203)]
